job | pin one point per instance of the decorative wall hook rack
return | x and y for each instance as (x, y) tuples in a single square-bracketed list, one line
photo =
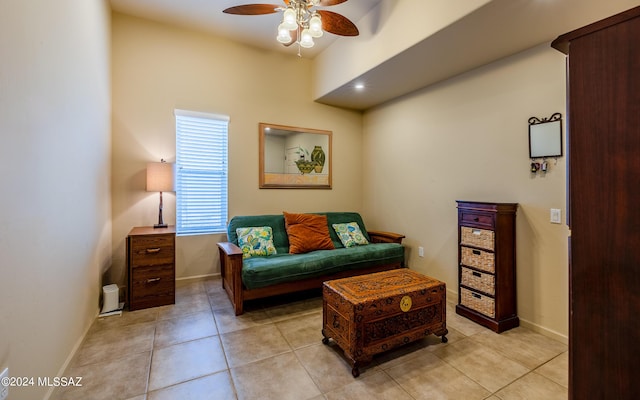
[(545, 141)]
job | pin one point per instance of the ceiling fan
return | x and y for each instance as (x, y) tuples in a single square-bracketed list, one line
[(301, 21)]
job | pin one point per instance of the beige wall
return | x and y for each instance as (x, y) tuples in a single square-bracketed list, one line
[(467, 139), (158, 68), (55, 219)]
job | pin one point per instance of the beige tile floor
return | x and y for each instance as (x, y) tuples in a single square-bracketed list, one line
[(198, 349)]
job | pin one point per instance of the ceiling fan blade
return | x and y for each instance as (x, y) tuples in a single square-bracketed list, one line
[(337, 24), (326, 3), (253, 9), (322, 3)]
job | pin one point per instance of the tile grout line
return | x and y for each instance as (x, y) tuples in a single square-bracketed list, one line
[(480, 384), (397, 383), (463, 373), (305, 369), (153, 346), (224, 352)]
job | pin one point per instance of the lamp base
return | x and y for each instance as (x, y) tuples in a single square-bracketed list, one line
[(160, 225)]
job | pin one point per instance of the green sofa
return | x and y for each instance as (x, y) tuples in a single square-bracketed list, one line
[(259, 277)]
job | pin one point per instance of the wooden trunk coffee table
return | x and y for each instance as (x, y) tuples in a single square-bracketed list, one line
[(369, 314)]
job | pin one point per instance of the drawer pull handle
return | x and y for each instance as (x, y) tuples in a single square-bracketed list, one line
[(476, 295), (151, 251), (477, 274), (476, 252), (151, 280), (476, 231), (476, 219)]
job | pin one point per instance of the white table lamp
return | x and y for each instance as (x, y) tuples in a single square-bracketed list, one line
[(160, 178)]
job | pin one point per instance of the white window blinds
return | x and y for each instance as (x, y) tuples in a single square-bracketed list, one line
[(201, 172)]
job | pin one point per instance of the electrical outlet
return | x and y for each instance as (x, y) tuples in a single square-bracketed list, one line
[(556, 216), (420, 251), (4, 389)]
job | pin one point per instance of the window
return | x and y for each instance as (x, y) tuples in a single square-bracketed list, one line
[(201, 172)]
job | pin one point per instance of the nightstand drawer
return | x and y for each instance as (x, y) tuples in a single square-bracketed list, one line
[(152, 286), (479, 220), (152, 250)]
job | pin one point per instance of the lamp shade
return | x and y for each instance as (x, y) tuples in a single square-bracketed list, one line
[(160, 177)]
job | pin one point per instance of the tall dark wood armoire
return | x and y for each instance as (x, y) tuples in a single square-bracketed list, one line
[(603, 68)]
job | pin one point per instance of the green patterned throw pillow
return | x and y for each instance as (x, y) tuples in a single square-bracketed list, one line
[(350, 234), (256, 241)]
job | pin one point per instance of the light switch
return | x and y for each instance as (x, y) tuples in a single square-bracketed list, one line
[(556, 216)]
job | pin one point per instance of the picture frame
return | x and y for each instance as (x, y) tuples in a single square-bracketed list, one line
[(294, 158)]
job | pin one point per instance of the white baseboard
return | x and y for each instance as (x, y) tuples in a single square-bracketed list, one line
[(66, 363), (452, 298), (197, 278), (64, 367), (544, 331)]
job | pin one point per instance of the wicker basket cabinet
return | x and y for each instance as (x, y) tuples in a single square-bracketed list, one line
[(487, 264)]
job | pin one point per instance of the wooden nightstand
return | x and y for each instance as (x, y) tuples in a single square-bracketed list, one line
[(151, 267)]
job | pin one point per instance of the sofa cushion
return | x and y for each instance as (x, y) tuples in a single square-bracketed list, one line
[(264, 271), (276, 222), (344, 218), (280, 238), (350, 234), (307, 232), (256, 241)]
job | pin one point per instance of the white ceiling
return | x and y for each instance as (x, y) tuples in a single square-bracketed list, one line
[(496, 30), (256, 30)]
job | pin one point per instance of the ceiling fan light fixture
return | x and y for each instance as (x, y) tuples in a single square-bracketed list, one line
[(289, 19), (301, 21), (316, 34), (306, 40), (315, 25), (284, 34)]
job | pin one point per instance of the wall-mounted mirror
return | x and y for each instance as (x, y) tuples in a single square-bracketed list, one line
[(545, 136), (295, 158)]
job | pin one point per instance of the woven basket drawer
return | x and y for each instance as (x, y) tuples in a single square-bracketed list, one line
[(477, 280), (483, 260), (477, 237), (478, 302)]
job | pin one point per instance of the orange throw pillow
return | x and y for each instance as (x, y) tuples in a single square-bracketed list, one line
[(307, 232)]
